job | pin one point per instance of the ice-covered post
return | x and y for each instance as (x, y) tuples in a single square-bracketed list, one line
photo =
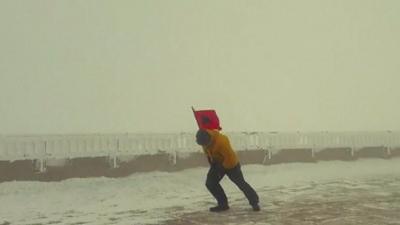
[(268, 154), (42, 167), (115, 165), (388, 143), (173, 157)]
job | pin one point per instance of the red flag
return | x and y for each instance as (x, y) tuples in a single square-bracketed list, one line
[(207, 119)]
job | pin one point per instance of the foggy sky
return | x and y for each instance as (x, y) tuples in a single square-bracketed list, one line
[(138, 66)]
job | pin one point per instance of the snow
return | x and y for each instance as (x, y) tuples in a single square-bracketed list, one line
[(333, 192)]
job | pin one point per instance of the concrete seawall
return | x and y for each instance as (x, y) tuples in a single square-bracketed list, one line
[(121, 166)]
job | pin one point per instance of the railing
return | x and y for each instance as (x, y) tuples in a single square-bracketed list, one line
[(73, 146)]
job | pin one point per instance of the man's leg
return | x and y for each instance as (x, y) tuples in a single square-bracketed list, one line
[(236, 176), (214, 176)]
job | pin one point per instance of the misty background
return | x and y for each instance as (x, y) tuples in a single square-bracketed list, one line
[(138, 66)]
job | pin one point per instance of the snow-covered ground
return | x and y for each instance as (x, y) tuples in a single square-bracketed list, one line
[(330, 193)]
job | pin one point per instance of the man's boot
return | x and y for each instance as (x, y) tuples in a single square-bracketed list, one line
[(219, 208), (255, 207)]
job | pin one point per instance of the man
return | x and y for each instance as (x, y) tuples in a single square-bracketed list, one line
[(223, 160)]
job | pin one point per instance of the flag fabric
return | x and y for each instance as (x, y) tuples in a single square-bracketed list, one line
[(207, 119)]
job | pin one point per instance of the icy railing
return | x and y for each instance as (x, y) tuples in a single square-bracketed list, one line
[(72, 146), (21, 148)]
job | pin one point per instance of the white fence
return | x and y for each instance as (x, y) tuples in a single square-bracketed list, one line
[(73, 146)]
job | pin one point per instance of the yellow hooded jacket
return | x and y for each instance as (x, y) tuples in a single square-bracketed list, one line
[(220, 150)]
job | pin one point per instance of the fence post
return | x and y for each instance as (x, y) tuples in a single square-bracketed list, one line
[(42, 168), (265, 156), (115, 165), (174, 157), (268, 154)]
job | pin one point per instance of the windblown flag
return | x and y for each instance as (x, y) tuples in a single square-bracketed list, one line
[(207, 119)]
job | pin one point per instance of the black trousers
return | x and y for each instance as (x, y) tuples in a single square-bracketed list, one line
[(217, 172)]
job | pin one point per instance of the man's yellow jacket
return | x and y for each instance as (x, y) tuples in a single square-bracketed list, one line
[(219, 150)]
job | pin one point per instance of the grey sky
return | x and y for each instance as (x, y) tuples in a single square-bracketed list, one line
[(138, 66)]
